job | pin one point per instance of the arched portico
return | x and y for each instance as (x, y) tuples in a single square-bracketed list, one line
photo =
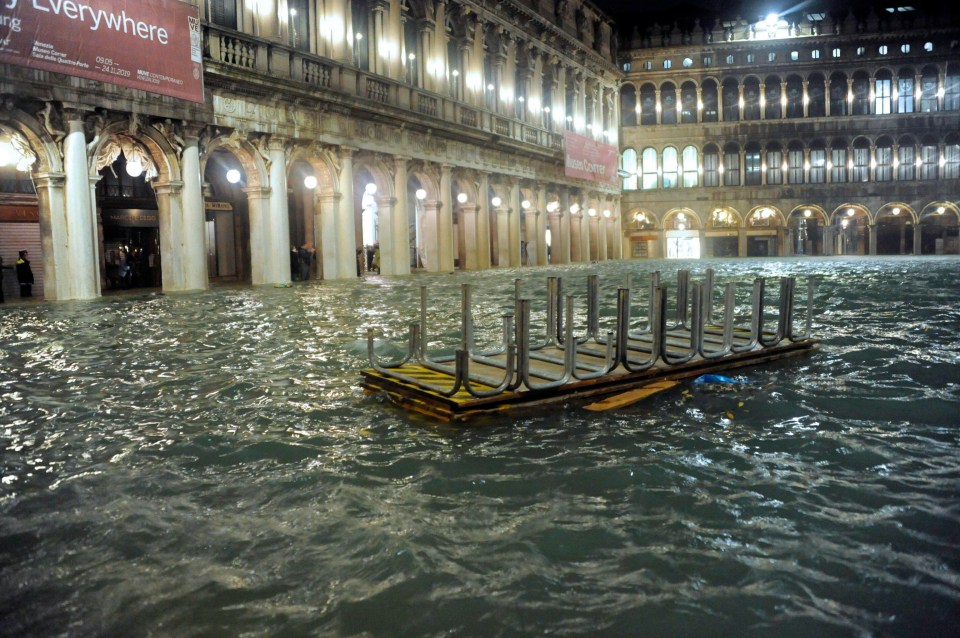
[(850, 230), (940, 229), (806, 231), (895, 226)]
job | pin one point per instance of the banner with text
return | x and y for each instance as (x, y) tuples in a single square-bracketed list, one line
[(153, 45), (589, 159)]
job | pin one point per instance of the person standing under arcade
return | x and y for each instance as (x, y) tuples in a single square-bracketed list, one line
[(24, 275)]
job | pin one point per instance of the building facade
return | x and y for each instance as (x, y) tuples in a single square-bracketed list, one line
[(432, 129), (813, 134)]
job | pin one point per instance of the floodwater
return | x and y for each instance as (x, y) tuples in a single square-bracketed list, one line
[(207, 465)]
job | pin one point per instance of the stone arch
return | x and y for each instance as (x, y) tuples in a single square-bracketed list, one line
[(815, 210), (678, 215), (40, 141), (767, 212), (156, 142), (896, 209), (806, 226), (249, 157)]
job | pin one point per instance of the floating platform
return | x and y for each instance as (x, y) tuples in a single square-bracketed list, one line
[(563, 367)]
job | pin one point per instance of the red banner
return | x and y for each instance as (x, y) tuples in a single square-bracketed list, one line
[(585, 158), (153, 45)]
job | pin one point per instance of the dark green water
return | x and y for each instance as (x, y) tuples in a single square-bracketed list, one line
[(206, 465)]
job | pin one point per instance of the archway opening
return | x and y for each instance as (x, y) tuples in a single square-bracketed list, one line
[(227, 221)]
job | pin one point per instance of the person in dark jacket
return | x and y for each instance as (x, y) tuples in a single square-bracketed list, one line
[(24, 275)]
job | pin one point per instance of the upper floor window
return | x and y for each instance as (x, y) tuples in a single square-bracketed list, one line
[(648, 165), (772, 56), (794, 55), (836, 53), (883, 49), (223, 12), (687, 63), (671, 167), (815, 54), (707, 60), (691, 168), (627, 66), (629, 165), (667, 64), (751, 58), (729, 59), (904, 48), (861, 50), (648, 66), (905, 95), (928, 47)]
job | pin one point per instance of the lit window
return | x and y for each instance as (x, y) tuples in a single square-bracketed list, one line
[(729, 59), (904, 48), (928, 47), (772, 56), (751, 58), (836, 53), (794, 55), (707, 60), (861, 50), (882, 50), (626, 66), (815, 54), (648, 66), (687, 63), (667, 64)]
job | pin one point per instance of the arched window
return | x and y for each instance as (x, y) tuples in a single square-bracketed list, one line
[(711, 165), (838, 162), (818, 162), (928, 90), (929, 159), (905, 91), (648, 105), (838, 94), (629, 165), (298, 31), (774, 164), (688, 103), (861, 160), (951, 88), (668, 103), (628, 105), (771, 98), (223, 13), (731, 164), (884, 155), (731, 101), (795, 163), (671, 167), (861, 93), (794, 96), (751, 164), (816, 94), (882, 93), (951, 157), (648, 162), (906, 162), (751, 99), (691, 168), (708, 95)]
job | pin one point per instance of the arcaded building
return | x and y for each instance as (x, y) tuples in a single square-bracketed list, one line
[(810, 133), (444, 133)]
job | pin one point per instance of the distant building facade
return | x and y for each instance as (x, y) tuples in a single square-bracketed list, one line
[(432, 128), (818, 136)]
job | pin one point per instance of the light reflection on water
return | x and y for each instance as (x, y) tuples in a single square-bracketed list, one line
[(206, 464)]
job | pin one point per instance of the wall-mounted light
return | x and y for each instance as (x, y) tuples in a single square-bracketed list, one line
[(592, 212), (496, 201), (462, 198), (233, 176), (421, 194), (552, 207), (310, 182), (574, 208), (525, 204), (607, 213), (370, 188)]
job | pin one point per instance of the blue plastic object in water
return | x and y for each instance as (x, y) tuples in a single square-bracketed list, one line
[(719, 379)]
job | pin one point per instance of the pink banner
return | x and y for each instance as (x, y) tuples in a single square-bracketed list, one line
[(588, 159), (153, 45)]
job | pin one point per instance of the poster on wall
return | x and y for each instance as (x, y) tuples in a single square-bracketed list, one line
[(153, 45), (585, 158)]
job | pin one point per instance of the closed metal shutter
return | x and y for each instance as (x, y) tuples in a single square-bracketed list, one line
[(13, 239)]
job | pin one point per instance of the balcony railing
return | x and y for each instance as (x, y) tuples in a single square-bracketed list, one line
[(250, 54)]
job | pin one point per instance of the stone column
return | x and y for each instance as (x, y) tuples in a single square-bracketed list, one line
[(483, 222), (50, 189), (598, 247), (469, 233), (444, 237), (399, 249), (277, 257), (503, 235), (872, 228), (173, 261), (326, 237), (346, 225), (193, 253), (541, 225), (80, 277), (562, 241), (514, 221), (258, 204)]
